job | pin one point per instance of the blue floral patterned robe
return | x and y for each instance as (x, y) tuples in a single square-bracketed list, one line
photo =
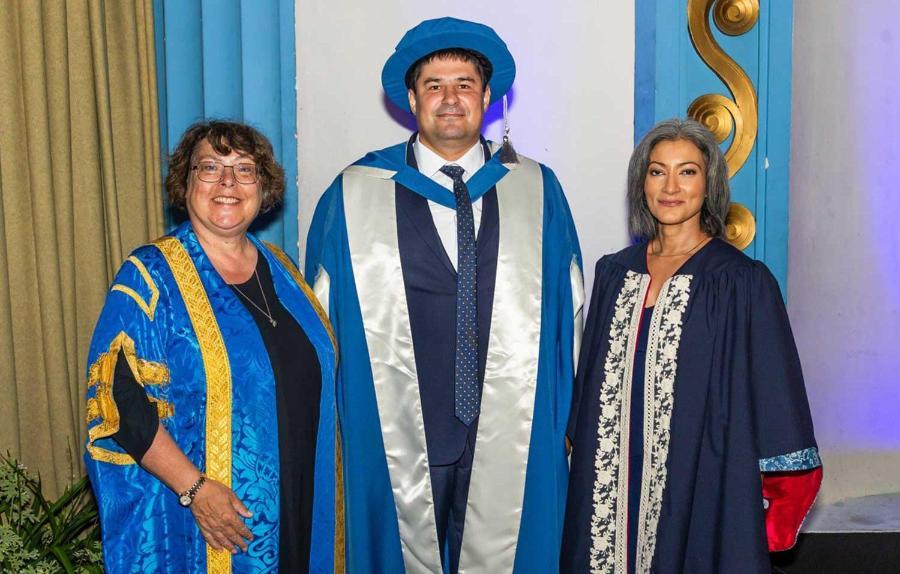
[(196, 352)]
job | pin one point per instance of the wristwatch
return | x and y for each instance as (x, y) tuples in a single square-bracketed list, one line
[(187, 497)]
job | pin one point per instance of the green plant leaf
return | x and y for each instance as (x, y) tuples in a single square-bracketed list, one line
[(62, 556), (43, 535)]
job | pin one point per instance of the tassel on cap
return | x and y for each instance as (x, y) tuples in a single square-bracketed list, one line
[(507, 151)]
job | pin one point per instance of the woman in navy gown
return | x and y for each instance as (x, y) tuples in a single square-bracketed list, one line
[(693, 446)]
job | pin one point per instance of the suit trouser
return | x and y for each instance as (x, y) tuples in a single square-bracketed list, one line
[(450, 487)]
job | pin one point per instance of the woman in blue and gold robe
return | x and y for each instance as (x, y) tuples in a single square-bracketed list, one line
[(210, 395)]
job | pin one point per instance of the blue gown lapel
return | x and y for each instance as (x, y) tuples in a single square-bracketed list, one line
[(394, 159), (479, 184)]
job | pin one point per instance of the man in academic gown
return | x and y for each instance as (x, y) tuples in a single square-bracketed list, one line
[(451, 271)]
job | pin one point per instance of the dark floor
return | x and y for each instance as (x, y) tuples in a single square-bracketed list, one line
[(841, 553)]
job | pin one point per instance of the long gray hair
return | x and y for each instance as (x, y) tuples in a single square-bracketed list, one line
[(641, 222)]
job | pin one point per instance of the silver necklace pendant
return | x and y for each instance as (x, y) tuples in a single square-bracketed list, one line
[(268, 311)]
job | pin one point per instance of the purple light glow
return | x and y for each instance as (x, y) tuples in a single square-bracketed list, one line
[(845, 246), (877, 145)]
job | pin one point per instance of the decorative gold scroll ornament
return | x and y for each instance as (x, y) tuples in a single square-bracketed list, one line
[(740, 227), (721, 115)]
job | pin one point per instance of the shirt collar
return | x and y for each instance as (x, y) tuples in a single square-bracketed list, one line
[(430, 163)]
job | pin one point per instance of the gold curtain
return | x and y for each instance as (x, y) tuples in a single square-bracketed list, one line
[(79, 188)]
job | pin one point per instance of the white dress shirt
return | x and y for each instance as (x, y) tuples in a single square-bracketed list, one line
[(430, 165)]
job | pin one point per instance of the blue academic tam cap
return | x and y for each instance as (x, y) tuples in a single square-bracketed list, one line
[(440, 34)]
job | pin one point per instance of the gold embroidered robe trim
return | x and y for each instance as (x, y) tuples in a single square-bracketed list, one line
[(148, 307), (340, 541), (307, 290), (103, 406), (146, 372), (217, 370), (164, 409)]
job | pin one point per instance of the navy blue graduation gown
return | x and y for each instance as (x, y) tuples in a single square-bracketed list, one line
[(724, 400)]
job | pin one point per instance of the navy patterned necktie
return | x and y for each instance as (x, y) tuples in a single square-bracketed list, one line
[(466, 395)]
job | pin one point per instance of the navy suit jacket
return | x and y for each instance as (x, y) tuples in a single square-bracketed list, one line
[(430, 280)]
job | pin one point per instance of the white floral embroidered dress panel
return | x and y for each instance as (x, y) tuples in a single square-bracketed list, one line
[(609, 539)]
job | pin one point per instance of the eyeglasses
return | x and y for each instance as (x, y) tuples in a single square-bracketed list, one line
[(214, 172)]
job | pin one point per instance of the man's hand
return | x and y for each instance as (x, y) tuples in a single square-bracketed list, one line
[(218, 513)]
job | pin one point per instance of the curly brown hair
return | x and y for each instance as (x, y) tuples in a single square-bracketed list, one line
[(225, 137)]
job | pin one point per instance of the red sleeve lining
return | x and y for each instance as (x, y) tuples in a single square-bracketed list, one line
[(790, 496)]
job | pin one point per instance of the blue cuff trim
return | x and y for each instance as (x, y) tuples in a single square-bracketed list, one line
[(800, 460)]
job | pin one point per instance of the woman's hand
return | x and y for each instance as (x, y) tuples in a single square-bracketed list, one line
[(218, 513), (216, 508)]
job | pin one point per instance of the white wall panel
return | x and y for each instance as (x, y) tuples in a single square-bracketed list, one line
[(571, 107)]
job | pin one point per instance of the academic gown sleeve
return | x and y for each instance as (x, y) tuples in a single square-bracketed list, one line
[(607, 277), (789, 458), (322, 229), (139, 420), (372, 541), (128, 330)]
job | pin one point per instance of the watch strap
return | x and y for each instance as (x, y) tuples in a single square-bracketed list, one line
[(187, 497)]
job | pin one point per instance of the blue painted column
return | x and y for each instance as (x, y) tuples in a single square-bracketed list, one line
[(234, 60), (670, 74)]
